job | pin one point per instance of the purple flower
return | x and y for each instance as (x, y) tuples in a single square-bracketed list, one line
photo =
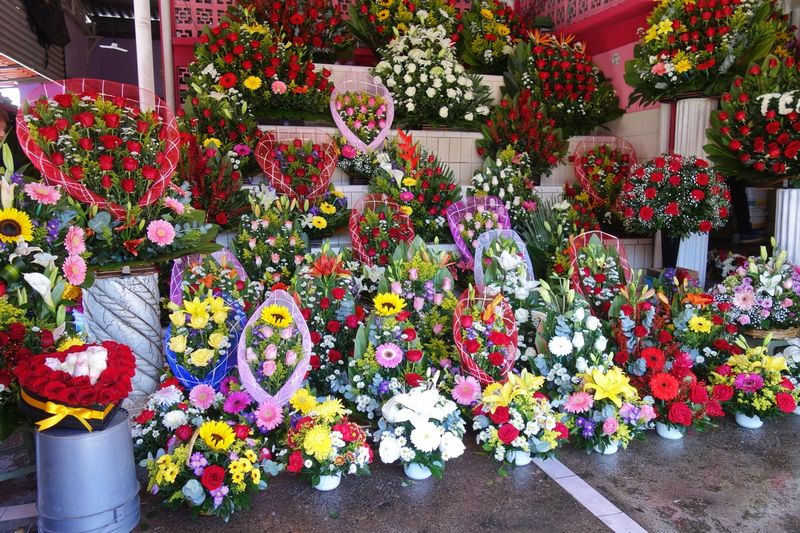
[(237, 402), (749, 383), (383, 388)]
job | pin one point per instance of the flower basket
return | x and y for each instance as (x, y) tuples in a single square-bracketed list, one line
[(775, 334), (297, 376), (46, 414), (374, 202), (363, 83), (123, 95), (588, 143), (486, 239), (579, 241), (457, 212), (222, 257), (468, 363), (268, 160)]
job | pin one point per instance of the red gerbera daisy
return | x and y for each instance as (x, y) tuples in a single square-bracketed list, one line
[(654, 358), (664, 387)]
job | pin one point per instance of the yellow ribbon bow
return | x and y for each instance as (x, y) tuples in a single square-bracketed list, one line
[(60, 412)]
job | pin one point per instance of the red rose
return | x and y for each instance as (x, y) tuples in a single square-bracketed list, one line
[(722, 393), (466, 321), (61, 124), (145, 416), (471, 345), (680, 414), (111, 120), (129, 164), (410, 334), (184, 432), (646, 213), (110, 142), (149, 173), (496, 358), (507, 433), (705, 226), (698, 394), (413, 380), (338, 293), (49, 133), (85, 119), (242, 431), (785, 402), (315, 362), (105, 161), (46, 339), (53, 389), (63, 100), (128, 185), (333, 326), (500, 415), (640, 331), (213, 476), (414, 355), (499, 339), (16, 332)]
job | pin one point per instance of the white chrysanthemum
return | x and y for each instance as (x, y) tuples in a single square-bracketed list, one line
[(560, 346), (451, 446), (174, 419), (389, 450), (167, 396), (426, 437)]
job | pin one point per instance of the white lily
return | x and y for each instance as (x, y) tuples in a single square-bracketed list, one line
[(7, 192), (44, 259), (23, 250), (509, 261), (41, 284)]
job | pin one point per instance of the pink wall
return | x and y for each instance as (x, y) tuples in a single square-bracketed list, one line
[(612, 63)]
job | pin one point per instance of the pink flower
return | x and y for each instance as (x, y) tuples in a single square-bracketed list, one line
[(278, 87), (610, 426), (237, 402), (202, 396), (659, 69), (388, 355), (269, 415), (579, 402), (161, 232), (268, 368), (44, 194), (174, 204), (74, 241), (745, 299), (349, 152), (74, 268), (406, 196), (291, 358), (647, 413), (466, 390)]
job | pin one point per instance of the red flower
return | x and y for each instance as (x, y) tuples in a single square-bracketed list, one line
[(315, 362), (496, 358), (221, 219), (654, 358), (640, 331), (227, 80), (410, 334), (722, 393), (705, 226), (471, 346), (499, 339), (466, 321), (16, 332), (213, 476), (128, 185), (562, 430), (242, 431), (338, 293), (184, 432), (295, 462), (785, 402), (698, 394), (334, 356), (507, 433), (663, 386), (413, 380), (111, 120), (333, 326), (680, 414), (414, 355), (63, 100), (145, 416), (646, 213), (500, 415)]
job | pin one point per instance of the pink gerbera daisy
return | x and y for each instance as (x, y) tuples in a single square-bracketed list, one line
[(202, 396), (388, 355), (161, 232), (44, 194), (269, 415), (174, 204), (749, 383), (74, 268), (237, 402), (579, 402), (74, 241), (466, 390)]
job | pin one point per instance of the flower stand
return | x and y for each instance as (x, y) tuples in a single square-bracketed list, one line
[(87, 480), (787, 223), (609, 449), (327, 483), (123, 306), (417, 471), (668, 432), (693, 254), (749, 422)]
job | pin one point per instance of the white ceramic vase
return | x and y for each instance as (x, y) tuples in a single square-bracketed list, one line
[(693, 254), (787, 223), (417, 471), (610, 449), (668, 432), (519, 458), (327, 483), (749, 422), (797, 410)]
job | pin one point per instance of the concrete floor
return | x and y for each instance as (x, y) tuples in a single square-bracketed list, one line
[(728, 479)]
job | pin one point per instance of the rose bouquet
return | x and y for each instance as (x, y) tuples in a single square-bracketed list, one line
[(485, 335), (426, 57), (270, 247), (377, 225), (299, 168), (764, 294), (605, 412), (324, 443), (678, 195), (422, 429), (83, 382), (756, 134), (220, 273), (491, 31), (522, 122), (599, 269), (422, 186), (472, 216), (515, 420), (328, 297), (508, 177), (585, 211), (365, 115)]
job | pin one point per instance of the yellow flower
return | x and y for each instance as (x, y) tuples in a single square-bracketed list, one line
[(319, 222), (327, 208), (201, 357), (251, 456), (69, 342), (216, 305), (388, 304), (682, 66), (409, 182), (212, 141), (277, 315), (611, 384), (699, 324), (199, 321), (502, 30), (330, 409), (15, 224), (487, 14), (256, 475), (216, 339), (178, 318), (317, 442), (237, 478), (217, 435), (337, 194), (407, 210), (383, 14), (71, 292), (303, 401), (254, 28), (177, 343), (665, 27), (774, 364), (651, 34), (497, 395), (252, 83)]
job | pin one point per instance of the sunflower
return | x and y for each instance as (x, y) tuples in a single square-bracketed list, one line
[(277, 315), (15, 224), (217, 435), (388, 304)]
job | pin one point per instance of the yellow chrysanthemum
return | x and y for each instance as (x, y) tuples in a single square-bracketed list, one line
[(610, 384), (69, 342), (252, 83), (327, 208), (15, 224), (277, 315), (71, 292), (407, 210), (217, 435), (318, 442), (330, 409), (682, 66), (388, 304), (319, 222), (213, 142), (303, 401), (699, 324), (409, 182), (487, 14)]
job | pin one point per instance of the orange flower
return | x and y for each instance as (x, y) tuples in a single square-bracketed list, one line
[(326, 265), (701, 299)]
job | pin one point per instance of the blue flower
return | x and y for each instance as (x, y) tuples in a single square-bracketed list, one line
[(194, 492)]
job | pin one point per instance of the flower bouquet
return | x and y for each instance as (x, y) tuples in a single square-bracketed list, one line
[(363, 110), (508, 177), (491, 30), (274, 351), (516, 421), (546, 231), (324, 443), (270, 247), (77, 388), (426, 58), (422, 429), (470, 217), (377, 225), (219, 272), (605, 412), (585, 211), (638, 319), (563, 77), (599, 269), (422, 186), (756, 386), (328, 297), (485, 335), (298, 168)]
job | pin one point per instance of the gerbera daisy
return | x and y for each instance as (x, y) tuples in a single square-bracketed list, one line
[(654, 358), (388, 304), (749, 382), (44, 194), (15, 224), (278, 316), (466, 390), (74, 269), (74, 241), (237, 402), (664, 387), (202, 396), (579, 402), (560, 346), (174, 204), (319, 222), (161, 232), (388, 355), (269, 415)]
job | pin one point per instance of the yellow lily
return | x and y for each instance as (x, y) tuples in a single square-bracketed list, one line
[(612, 385)]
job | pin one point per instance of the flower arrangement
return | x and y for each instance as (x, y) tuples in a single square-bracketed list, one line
[(698, 47), (508, 177), (299, 168), (546, 232), (605, 412), (726, 262), (599, 269), (377, 23), (328, 297), (365, 115), (472, 216), (422, 185), (491, 31), (377, 225), (485, 335), (756, 134), (585, 211), (764, 294), (426, 57), (270, 247), (323, 441), (522, 122), (678, 195), (563, 77), (421, 427), (603, 169), (636, 323), (516, 421)]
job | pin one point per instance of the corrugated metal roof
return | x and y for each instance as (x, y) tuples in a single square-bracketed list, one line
[(19, 45)]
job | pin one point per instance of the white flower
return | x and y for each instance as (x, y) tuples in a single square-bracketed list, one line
[(600, 344), (389, 450), (41, 284), (521, 292), (443, 111), (451, 446), (580, 314), (167, 396), (482, 110), (581, 364), (560, 346), (431, 92), (508, 261), (426, 437), (578, 341), (521, 315), (469, 117), (411, 91), (410, 106), (174, 419), (592, 323)]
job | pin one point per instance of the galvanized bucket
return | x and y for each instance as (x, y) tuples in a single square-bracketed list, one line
[(87, 481)]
